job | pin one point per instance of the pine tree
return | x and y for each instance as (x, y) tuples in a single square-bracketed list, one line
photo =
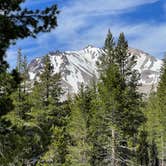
[(154, 160), (16, 23), (57, 151), (153, 128), (16, 120), (142, 150), (130, 116), (161, 95), (122, 55), (108, 56), (100, 133), (42, 100), (108, 94), (48, 117), (21, 97), (122, 102), (78, 128)]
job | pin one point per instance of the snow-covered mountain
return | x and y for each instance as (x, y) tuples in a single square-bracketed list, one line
[(79, 67)]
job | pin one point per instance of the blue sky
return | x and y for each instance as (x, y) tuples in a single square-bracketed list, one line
[(86, 22)]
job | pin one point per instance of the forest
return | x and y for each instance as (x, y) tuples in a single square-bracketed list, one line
[(108, 123)]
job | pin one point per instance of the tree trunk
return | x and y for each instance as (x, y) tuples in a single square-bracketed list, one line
[(162, 142), (113, 147)]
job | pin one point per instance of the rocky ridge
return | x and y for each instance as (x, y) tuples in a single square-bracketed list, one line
[(77, 67)]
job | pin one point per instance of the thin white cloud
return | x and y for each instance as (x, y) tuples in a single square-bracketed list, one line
[(79, 25), (99, 6), (151, 38), (76, 15)]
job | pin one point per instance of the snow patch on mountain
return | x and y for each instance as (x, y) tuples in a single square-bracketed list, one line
[(77, 67)]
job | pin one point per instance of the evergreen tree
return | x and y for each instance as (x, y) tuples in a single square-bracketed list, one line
[(16, 137), (16, 22), (78, 128), (130, 115), (105, 144), (108, 56), (42, 98), (142, 150), (57, 150), (154, 160), (122, 102), (161, 95), (153, 126), (155, 113), (49, 115), (122, 55), (21, 96)]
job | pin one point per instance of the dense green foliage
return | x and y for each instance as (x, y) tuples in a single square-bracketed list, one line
[(18, 23), (155, 112), (19, 137), (108, 123)]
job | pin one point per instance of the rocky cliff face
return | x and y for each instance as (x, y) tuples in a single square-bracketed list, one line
[(79, 67)]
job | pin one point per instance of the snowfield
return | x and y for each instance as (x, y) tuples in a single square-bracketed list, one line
[(77, 67)]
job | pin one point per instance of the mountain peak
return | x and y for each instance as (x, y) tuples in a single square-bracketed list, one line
[(138, 51), (79, 67)]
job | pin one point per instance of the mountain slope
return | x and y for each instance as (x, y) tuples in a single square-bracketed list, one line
[(79, 67)]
